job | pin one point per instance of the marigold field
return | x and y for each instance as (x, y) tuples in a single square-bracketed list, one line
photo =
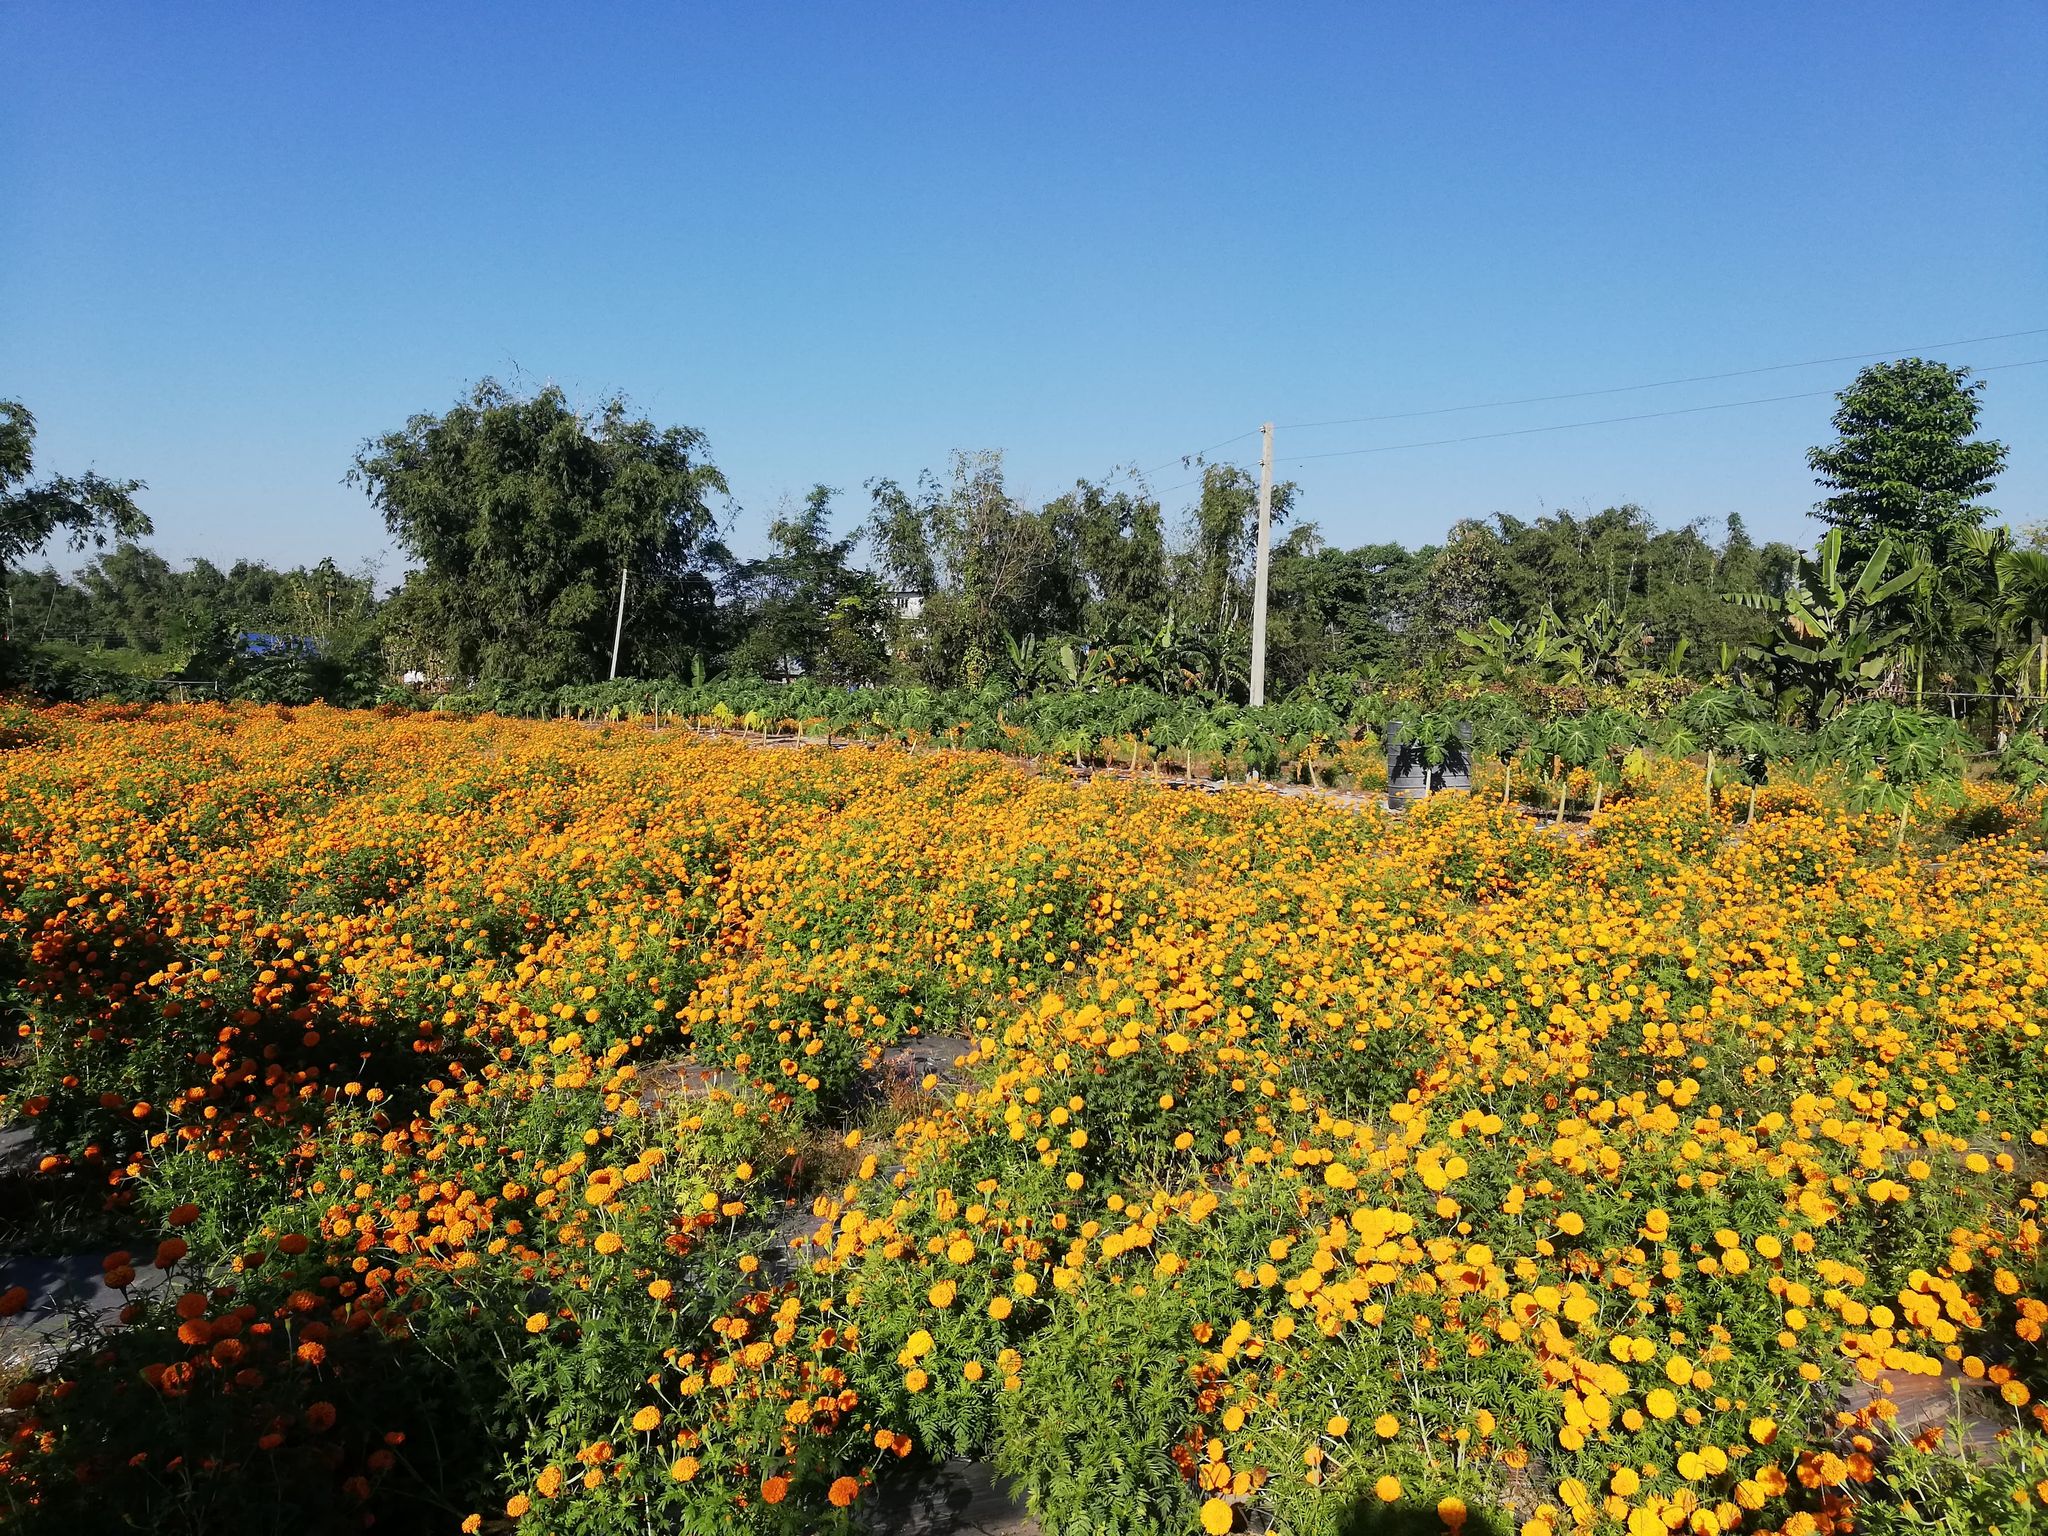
[(492, 1126)]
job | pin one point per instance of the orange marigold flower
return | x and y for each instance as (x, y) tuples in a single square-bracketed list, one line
[(844, 1491), (775, 1490)]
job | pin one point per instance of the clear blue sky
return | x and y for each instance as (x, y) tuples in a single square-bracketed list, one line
[(846, 239)]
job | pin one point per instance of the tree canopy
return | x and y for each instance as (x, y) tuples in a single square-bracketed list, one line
[(522, 515), (1906, 464), (90, 508)]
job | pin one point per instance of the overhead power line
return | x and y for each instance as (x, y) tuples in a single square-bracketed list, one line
[(1608, 421), (1587, 394), (1623, 389), (1182, 458)]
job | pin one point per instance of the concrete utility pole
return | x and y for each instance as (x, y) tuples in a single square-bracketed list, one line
[(619, 628), (1259, 573)]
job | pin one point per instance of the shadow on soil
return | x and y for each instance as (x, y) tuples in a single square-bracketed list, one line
[(1367, 1516)]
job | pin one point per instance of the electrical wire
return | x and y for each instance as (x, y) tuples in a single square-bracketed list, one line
[(1182, 458), (1623, 389), (1604, 421)]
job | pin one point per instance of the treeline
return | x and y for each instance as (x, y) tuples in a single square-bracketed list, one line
[(521, 518), (521, 515)]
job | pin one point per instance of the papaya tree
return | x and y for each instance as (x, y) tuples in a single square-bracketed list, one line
[(1893, 755)]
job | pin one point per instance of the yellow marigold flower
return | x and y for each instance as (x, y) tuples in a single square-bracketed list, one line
[(942, 1294), (1661, 1403), (1387, 1488), (647, 1418), (1217, 1516), (1386, 1426)]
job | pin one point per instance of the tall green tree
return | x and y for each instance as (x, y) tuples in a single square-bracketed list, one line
[(1465, 585), (809, 612), (981, 565), (1117, 541), (523, 513), (1906, 463), (1213, 565), (89, 508)]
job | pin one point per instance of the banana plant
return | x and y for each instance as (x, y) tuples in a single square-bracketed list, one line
[(1502, 652), (1607, 643), (1027, 664), (1838, 634), (1083, 668)]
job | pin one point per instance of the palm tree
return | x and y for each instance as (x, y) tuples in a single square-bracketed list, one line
[(2023, 580)]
